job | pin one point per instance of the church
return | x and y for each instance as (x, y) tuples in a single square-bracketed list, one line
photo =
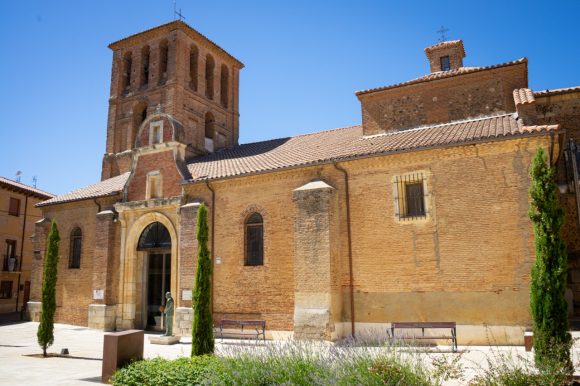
[(420, 213)]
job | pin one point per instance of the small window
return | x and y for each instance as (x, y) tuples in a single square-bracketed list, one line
[(254, 240), (410, 197), (155, 132), (76, 238), (445, 63), (154, 185), (14, 208), (5, 289)]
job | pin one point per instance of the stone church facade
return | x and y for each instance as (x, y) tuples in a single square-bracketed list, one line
[(417, 214)]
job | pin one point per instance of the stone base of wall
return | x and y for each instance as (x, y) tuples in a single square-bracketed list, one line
[(102, 317), (183, 321), (33, 311), (313, 323)]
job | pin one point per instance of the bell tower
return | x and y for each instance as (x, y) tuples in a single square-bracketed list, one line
[(176, 71)]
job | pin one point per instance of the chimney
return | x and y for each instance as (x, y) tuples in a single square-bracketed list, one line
[(446, 56)]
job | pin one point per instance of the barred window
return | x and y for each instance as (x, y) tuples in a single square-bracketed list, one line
[(410, 197), (254, 240), (76, 238)]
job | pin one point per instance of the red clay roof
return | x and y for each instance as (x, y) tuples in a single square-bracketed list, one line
[(446, 44), (329, 146), (442, 75), (349, 143), (9, 184), (104, 188), (523, 95), (557, 91)]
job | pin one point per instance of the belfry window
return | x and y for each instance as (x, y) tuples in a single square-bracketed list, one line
[(154, 236), (209, 131), (209, 69), (224, 86), (145, 66), (163, 54), (193, 59), (445, 63), (76, 238), (254, 240), (127, 68)]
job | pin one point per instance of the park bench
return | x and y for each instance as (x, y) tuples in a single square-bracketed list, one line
[(451, 326), (242, 329)]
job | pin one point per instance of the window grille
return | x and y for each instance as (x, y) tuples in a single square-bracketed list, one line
[(445, 63), (254, 240), (76, 238), (410, 197)]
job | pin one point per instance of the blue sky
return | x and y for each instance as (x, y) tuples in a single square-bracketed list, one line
[(304, 60)]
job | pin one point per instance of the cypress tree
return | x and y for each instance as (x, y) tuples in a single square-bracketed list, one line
[(202, 341), (549, 309), (45, 333)]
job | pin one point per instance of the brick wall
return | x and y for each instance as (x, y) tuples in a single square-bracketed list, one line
[(454, 98), (164, 162)]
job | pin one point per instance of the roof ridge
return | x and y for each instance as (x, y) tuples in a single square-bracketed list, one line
[(432, 126), (442, 75), (561, 90)]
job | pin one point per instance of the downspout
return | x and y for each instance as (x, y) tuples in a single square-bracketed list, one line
[(349, 239), (573, 150), (21, 253), (212, 240)]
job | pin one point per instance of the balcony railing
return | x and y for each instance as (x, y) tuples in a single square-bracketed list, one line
[(10, 263)]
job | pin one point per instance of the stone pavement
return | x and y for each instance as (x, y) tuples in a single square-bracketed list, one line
[(83, 366)]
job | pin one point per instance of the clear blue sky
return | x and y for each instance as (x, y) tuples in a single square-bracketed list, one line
[(304, 60)]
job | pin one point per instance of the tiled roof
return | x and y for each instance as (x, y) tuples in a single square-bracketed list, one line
[(443, 75), (104, 188), (177, 24), (446, 44), (557, 91), (325, 147), (523, 95), (9, 184), (349, 143)]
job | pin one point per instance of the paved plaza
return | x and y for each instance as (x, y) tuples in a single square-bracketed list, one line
[(83, 366)]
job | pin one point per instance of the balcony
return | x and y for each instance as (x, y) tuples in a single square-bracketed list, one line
[(10, 263)]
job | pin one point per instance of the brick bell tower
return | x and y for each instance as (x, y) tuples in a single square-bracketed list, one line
[(172, 70)]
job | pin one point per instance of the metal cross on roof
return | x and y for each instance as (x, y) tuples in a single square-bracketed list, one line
[(177, 13), (442, 31)]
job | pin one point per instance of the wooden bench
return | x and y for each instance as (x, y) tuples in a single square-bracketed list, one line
[(451, 326), (242, 329)]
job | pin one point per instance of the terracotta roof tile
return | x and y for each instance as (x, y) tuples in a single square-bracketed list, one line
[(446, 44), (18, 186), (104, 188), (442, 75), (523, 95), (349, 143), (557, 91)]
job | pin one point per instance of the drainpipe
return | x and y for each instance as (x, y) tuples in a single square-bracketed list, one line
[(21, 253), (575, 171), (348, 223), (212, 239)]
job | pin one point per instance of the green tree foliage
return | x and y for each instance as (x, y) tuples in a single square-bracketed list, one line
[(202, 333), (548, 304), (45, 331)]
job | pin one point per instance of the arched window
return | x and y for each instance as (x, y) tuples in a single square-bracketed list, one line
[(127, 64), (224, 86), (209, 69), (154, 236), (145, 66), (76, 238), (139, 116), (254, 234), (163, 54), (193, 59)]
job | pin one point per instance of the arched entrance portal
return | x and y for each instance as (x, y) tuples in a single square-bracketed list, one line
[(155, 241)]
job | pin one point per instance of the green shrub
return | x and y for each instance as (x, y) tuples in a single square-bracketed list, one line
[(159, 371)]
